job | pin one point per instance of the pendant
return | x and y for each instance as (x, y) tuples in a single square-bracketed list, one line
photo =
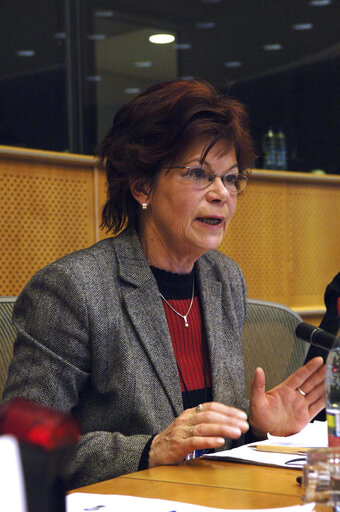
[(185, 321)]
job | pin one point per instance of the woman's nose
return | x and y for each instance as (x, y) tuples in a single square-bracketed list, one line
[(217, 191)]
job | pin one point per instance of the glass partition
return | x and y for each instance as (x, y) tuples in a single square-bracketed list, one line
[(66, 66)]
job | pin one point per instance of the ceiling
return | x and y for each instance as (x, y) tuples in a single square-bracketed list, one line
[(222, 41), (209, 34), (225, 40)]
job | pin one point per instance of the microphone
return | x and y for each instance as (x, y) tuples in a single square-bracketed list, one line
[(315, 335)]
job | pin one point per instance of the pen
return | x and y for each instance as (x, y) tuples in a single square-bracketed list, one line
[(280, 448)]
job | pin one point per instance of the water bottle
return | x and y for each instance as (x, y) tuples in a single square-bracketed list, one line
[(280, 150), (332, 390), (268, 149)]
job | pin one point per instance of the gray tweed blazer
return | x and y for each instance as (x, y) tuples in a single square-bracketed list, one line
[(93, 340)]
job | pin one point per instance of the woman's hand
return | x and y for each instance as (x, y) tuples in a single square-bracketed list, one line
[(287, 408), (203, 427)]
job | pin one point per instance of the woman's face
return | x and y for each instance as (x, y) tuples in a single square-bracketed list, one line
[(182, 220)]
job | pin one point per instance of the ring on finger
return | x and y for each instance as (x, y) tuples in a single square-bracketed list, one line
[(199, 408), (301, 391), (192, 431)]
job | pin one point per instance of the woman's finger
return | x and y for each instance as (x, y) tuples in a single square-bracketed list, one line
[(309, 375), (316, 380), (232, 430)]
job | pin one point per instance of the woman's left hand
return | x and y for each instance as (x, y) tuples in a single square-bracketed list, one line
[(287, 408)]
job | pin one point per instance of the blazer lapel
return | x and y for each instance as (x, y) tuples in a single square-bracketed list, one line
[(145, 308), (217, 331)]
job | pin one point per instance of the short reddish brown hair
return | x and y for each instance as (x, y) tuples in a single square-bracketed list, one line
[(156, 128)]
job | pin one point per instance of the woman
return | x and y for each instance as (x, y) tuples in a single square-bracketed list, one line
[(139, 335)]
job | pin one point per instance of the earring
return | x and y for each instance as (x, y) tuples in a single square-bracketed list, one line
[(144, 206)]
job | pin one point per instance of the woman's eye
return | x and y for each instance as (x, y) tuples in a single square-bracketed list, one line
[(198, 173), (230, 179)]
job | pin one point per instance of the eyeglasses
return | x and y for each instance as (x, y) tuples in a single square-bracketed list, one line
[(202, 178)]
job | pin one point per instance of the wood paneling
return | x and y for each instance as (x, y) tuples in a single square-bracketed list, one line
[(285, 233), (46, 211)]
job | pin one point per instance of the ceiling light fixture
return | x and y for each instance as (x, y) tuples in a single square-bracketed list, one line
[(93, 78), (143, 64), (303, 26), (233, 64), (60, 35), (272, 47), (210, 1), (162, 38), (182, 46), (104, 14), (132, 90), (96, 37), (25, 53), (320, 3), (206, 24)]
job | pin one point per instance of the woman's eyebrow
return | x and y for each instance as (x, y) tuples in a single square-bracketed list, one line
[(197, 159)]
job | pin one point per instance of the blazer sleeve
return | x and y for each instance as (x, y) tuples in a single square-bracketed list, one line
[(52, 365)]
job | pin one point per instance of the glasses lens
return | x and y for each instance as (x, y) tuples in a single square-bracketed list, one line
[(241, 183), (199, 176), (234, 183)]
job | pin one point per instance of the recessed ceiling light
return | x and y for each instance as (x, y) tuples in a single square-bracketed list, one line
[(206, 24), (162, 38), (25, 53), (210, 1), (303, 26), (104, 14), (60, 35), (132, 90), (272, 47), (320, 2), (143, 64), (233, 64), (182, 46), (96, 37), (93, 78)]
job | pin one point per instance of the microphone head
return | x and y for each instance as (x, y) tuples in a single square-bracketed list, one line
[(314, 335), (304, 331)]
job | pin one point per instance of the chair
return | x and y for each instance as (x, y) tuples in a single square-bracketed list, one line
[(7, 337), (269, 341)]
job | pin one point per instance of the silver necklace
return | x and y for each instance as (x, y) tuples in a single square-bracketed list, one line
[(185, 317)]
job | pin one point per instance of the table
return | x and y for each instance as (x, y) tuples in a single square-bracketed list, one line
[(211, 483)]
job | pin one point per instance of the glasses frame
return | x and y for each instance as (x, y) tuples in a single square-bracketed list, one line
[(234, 191)]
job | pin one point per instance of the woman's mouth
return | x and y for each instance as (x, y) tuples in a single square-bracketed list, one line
[(210, 220)]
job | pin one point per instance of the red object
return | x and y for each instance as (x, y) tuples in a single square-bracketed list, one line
[(41, 426)]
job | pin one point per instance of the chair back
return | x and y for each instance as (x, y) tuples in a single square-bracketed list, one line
[(269, 341), (7, 337)]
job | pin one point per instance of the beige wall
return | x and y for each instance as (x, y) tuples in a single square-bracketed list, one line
[(285, 234)]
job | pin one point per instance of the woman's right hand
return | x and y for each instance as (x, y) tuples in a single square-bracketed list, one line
[(203, 427)]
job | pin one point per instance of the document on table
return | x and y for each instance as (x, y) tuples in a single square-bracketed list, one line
[(314, 435), (84, 502), (12, 486)]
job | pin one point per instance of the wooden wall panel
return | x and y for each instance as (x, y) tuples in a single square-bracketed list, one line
[(285, 234), (256, 239), (286, 237), (314, 240), (46, 211)]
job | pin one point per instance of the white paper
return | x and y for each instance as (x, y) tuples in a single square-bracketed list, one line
[(313, 435), (84, 502), (12, 488)]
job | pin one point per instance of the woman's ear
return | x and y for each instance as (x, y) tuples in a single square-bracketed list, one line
[(139, 190)]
